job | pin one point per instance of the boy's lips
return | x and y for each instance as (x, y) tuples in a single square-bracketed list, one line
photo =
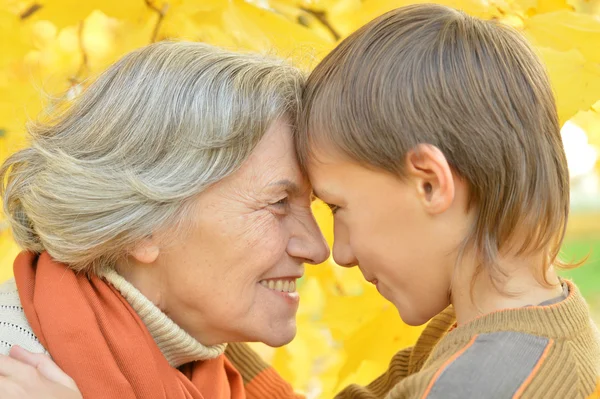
[(369, 279)]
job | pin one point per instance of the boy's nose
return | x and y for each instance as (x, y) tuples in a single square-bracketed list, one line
[(343, 255)]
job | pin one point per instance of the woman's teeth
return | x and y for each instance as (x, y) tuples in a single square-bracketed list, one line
[(279, 285)]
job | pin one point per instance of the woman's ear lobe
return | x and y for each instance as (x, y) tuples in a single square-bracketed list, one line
[(146, 252), (428, 169)]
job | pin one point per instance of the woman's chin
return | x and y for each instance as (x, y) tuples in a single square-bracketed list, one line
[(280, 337)]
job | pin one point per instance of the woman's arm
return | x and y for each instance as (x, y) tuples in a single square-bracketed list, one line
[(260, 379)]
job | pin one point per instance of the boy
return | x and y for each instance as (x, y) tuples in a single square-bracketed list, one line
[(434, 138)]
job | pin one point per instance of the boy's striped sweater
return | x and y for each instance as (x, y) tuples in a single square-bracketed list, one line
[(550, 351)]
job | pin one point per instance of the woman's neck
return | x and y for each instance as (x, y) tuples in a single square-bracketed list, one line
[(176, 344)]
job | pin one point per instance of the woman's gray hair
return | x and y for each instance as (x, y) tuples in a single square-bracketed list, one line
[(124, 159)]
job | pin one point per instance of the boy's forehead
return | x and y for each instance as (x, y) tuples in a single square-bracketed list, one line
[(322, 153)]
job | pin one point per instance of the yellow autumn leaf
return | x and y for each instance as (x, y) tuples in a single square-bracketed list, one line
[(532, 7), (70, 12), (12, 41), (10, 141), (19, 102), (179, 19), (13, 6), (261, 30), (565, 31), (99, 39), (384, 335), (589, 121), (345, 314), (8, 252), (575, 80), (359, 14), (311, 353), (590, 7), (309, 18), (325, 219)]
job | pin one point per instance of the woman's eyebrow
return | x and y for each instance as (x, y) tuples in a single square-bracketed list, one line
[(288, 185)]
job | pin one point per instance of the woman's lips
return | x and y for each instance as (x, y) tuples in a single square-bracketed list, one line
[(284, 288), (285, 284)]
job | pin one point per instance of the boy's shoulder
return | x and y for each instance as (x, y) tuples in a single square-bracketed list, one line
[(508, 364), (496, 364), (546, 351)]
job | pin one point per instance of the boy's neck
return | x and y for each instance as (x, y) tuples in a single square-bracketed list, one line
[(520, 288)]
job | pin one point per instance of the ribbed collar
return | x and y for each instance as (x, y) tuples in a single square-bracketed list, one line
[(563, 319), (177, 346)]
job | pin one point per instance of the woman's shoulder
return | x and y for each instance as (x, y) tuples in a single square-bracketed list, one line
[(14, 327)]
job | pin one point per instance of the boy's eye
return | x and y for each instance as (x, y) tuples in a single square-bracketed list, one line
[(334, 208)]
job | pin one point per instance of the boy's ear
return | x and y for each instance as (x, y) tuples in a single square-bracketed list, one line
[(428, 169), (146, 251)]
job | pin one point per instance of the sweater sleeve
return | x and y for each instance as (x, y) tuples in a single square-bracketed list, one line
[(260, 379), (14, 327)]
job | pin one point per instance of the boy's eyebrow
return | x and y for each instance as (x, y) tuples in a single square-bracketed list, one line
[(319, 196)]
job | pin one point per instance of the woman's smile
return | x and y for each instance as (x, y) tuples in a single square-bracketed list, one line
[(284, 289)]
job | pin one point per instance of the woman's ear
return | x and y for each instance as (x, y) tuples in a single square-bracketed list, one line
[(146, 251), (428, 169)]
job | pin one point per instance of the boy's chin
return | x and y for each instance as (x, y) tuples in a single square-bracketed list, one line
[(413, 318)]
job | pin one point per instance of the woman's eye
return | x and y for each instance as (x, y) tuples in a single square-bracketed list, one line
[(282, 202), (334, 208)]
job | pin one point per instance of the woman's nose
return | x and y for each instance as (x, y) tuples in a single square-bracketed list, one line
[(309, 243)]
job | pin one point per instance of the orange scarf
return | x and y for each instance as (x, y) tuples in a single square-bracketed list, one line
[(96, 337)]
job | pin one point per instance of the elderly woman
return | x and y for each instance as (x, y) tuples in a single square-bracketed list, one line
[(163, 214)]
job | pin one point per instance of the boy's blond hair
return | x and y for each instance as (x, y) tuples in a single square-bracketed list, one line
[(475, 89)]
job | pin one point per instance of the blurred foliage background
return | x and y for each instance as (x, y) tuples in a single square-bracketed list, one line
[(49, 48)]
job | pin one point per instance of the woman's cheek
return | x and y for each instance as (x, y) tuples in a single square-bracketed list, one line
[(268, 233)]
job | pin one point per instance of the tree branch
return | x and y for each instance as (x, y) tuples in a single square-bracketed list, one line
[(32, 9), (322, 17), (161, 16), (84, 66)]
